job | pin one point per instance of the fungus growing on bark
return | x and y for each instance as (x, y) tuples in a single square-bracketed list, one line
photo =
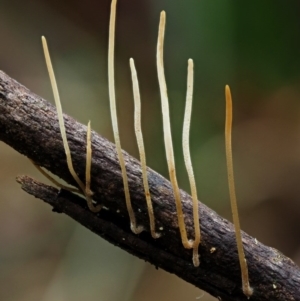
[(140, 143), (63, 130), (247, 290), (113, 110), (187, 158), (167, 130), (86, 189)]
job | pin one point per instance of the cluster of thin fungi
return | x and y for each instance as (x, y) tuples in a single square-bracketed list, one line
[(85, 188)]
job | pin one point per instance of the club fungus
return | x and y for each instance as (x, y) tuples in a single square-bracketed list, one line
[(112, 99), (247, 290), (86, 189), (167, 130), (187, 158), (63, 130), (140, 143)]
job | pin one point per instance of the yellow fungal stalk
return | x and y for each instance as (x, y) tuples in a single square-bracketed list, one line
[(63, 129), (167, 130), (114, 118), (140, 143), (187, 159), (247, 290)]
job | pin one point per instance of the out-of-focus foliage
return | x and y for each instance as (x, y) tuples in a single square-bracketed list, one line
[(253, 46)]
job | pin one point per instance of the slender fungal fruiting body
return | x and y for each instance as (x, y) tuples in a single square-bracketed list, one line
[(248, 291), (86, 189), (140, 143), (167, 130), (63, 129), (88, 166), (51, 179), (187, 159), (112, 99)]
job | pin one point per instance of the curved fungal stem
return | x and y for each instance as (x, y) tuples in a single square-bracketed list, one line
[(62, 125), (140, 143), (112, 99), (167, 130), (53, 181), (187, 159), (247, 290)]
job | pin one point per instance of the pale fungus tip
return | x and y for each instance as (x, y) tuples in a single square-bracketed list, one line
[(156, 235), (212, 250), (136, 229), (196, 259), (248, 291)]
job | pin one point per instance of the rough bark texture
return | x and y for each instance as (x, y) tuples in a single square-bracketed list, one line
[(29, 124)]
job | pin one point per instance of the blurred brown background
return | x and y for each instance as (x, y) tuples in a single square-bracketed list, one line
[(253, 46)]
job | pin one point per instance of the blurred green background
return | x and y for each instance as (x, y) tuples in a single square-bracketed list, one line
[(251, 45)]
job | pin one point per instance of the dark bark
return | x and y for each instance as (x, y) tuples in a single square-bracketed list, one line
[(29, 124)]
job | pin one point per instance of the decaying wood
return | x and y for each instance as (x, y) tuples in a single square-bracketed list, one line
[(29, 124)]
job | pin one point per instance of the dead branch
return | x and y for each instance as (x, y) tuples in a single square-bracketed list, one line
[(29, 124)]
